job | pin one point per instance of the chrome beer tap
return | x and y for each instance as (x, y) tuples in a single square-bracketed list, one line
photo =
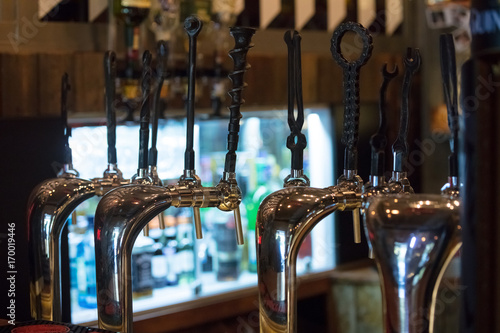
[(53, 201), (449, 77), (286, 217), (377, 183), (413, 238), (123, 213), (49, 207)]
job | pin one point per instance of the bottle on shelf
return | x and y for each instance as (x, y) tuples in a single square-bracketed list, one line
[(159, 261), (170, 250), (142, 272), (132, 13), (185, 258), (85, 268)]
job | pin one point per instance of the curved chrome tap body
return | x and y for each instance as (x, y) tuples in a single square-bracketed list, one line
[(49, 206), (120, 216), (414, 237), (283, 221)]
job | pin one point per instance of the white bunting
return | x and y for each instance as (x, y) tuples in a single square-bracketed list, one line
[(393, 15), (304, 10), (45, 6), (269, 9), (337, 10), (96, 7), (367, 11)]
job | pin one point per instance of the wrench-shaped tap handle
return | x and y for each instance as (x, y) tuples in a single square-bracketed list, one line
[(400, 146), (109, 79), (351, 87), (378, 141), (449, 76)]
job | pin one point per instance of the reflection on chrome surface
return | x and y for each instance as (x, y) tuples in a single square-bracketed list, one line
[(284, 219), (49, 206), (413, 238)]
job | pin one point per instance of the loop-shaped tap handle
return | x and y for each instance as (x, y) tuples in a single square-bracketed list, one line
[(161, 74), (192, 26), (296, 141), (378, 141), (109, 80), (400, 147), (197, 223), (145, 110), (240, 239), (65, 88), (449, 77), (351, 86), (242, 39)]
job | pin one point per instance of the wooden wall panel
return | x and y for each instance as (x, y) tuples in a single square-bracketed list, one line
[(19, 85), (88, 82), (51, 68)]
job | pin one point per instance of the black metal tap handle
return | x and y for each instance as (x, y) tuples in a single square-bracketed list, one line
[(242, 38), (296, 141), (145, 110), (378, 141), (449, 76), (161, 75), (109, 78), (192, 26), (351, 87), (65, 88), (400, 146)]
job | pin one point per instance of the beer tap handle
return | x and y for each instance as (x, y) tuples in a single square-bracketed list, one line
[(192, 26), (400, 146), (109, 78), (242, 37), (232, 193), (296, 141), (378, 141), (162, 50), (145, 111), (351, 89), (449, 76)]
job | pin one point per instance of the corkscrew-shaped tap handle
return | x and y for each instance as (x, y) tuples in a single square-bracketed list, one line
[(65, 88), (232, 194), (161, 75), (449, 76), (109, 80), (351, 87), (145, 111), (400, 146), (378, 141), (296, 141), (242, 37)]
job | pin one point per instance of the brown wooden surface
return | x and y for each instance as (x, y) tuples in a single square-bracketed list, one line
[(227, 314)]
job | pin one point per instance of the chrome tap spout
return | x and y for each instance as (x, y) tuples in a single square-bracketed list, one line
[(284, 219), (49, 206), (120, 216)]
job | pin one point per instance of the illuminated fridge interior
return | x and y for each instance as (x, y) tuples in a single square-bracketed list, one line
[(171, 266)]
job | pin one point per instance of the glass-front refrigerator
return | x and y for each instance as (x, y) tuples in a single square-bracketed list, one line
[(170, 266)]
